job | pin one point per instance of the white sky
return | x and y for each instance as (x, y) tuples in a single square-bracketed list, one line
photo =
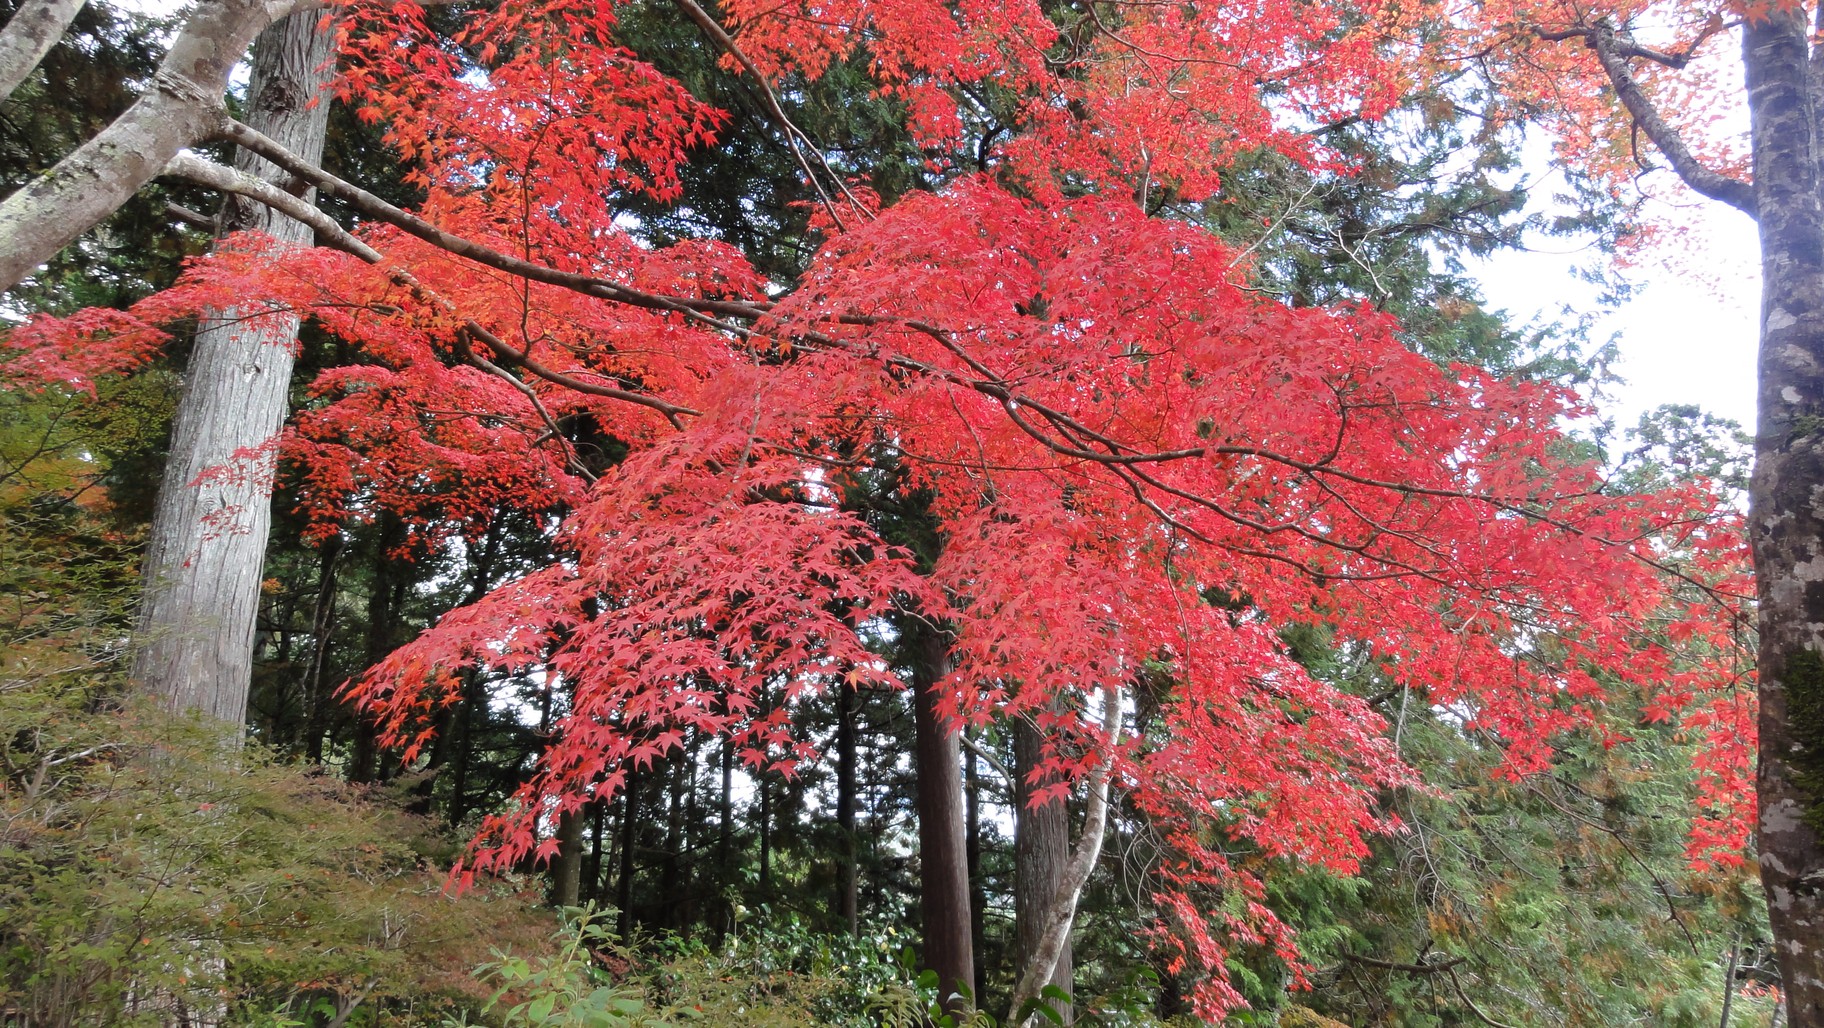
[(1687, 335), (1690, 332)]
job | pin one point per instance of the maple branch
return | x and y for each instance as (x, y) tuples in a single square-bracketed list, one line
[(200, 222), (1613, 52), (374, 207), (228, 180), (1076, 440), (1102, 27), (988, 755), (538, 405)]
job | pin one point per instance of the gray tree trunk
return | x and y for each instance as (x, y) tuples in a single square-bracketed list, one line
[(30, 34), (1041, 851), (208, 539), (1786, 517), (181, 107)]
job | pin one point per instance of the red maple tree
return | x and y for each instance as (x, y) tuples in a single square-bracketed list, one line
[(1138, 468)]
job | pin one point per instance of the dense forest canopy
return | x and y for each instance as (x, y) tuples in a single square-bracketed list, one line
[(783, 474)]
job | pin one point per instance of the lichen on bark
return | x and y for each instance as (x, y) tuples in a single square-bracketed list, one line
[(1804, 682)]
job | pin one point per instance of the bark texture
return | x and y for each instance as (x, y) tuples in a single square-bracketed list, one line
[(1041, 850), (30, 34), (1054, 922), (942, 848), (182, 106), (208, 538), (567, 867), (1787, 501)]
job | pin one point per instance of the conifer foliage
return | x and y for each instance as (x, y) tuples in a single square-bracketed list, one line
[(1139, 470)]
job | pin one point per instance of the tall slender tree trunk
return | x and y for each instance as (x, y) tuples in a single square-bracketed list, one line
[(725, 842), (592, 870), (942, 850), (1786, 518), (385, 588), (972, 852), (319, 694), (671, 877), (1041, 850), (470, 717), (764, 783), (208, 538), (848, 713), (623, 893)]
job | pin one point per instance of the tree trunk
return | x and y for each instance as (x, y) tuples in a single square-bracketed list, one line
[(942, 852), (623, 893), (1060, 912), (764, 782), (592, 870), (1787, 523), (848, 712), (473, 714), (30, 34), (567, 866), (972, 854), (319, 693), (383, 589), (182, 106), (208, 540), (725, 842), (1041, 849), (671, 877)]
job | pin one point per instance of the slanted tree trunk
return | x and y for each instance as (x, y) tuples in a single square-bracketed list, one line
[(181, 107), (30, 33), (1054, 922), (1786, 519), (208, 538), (942, 850), (1041, 849)]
